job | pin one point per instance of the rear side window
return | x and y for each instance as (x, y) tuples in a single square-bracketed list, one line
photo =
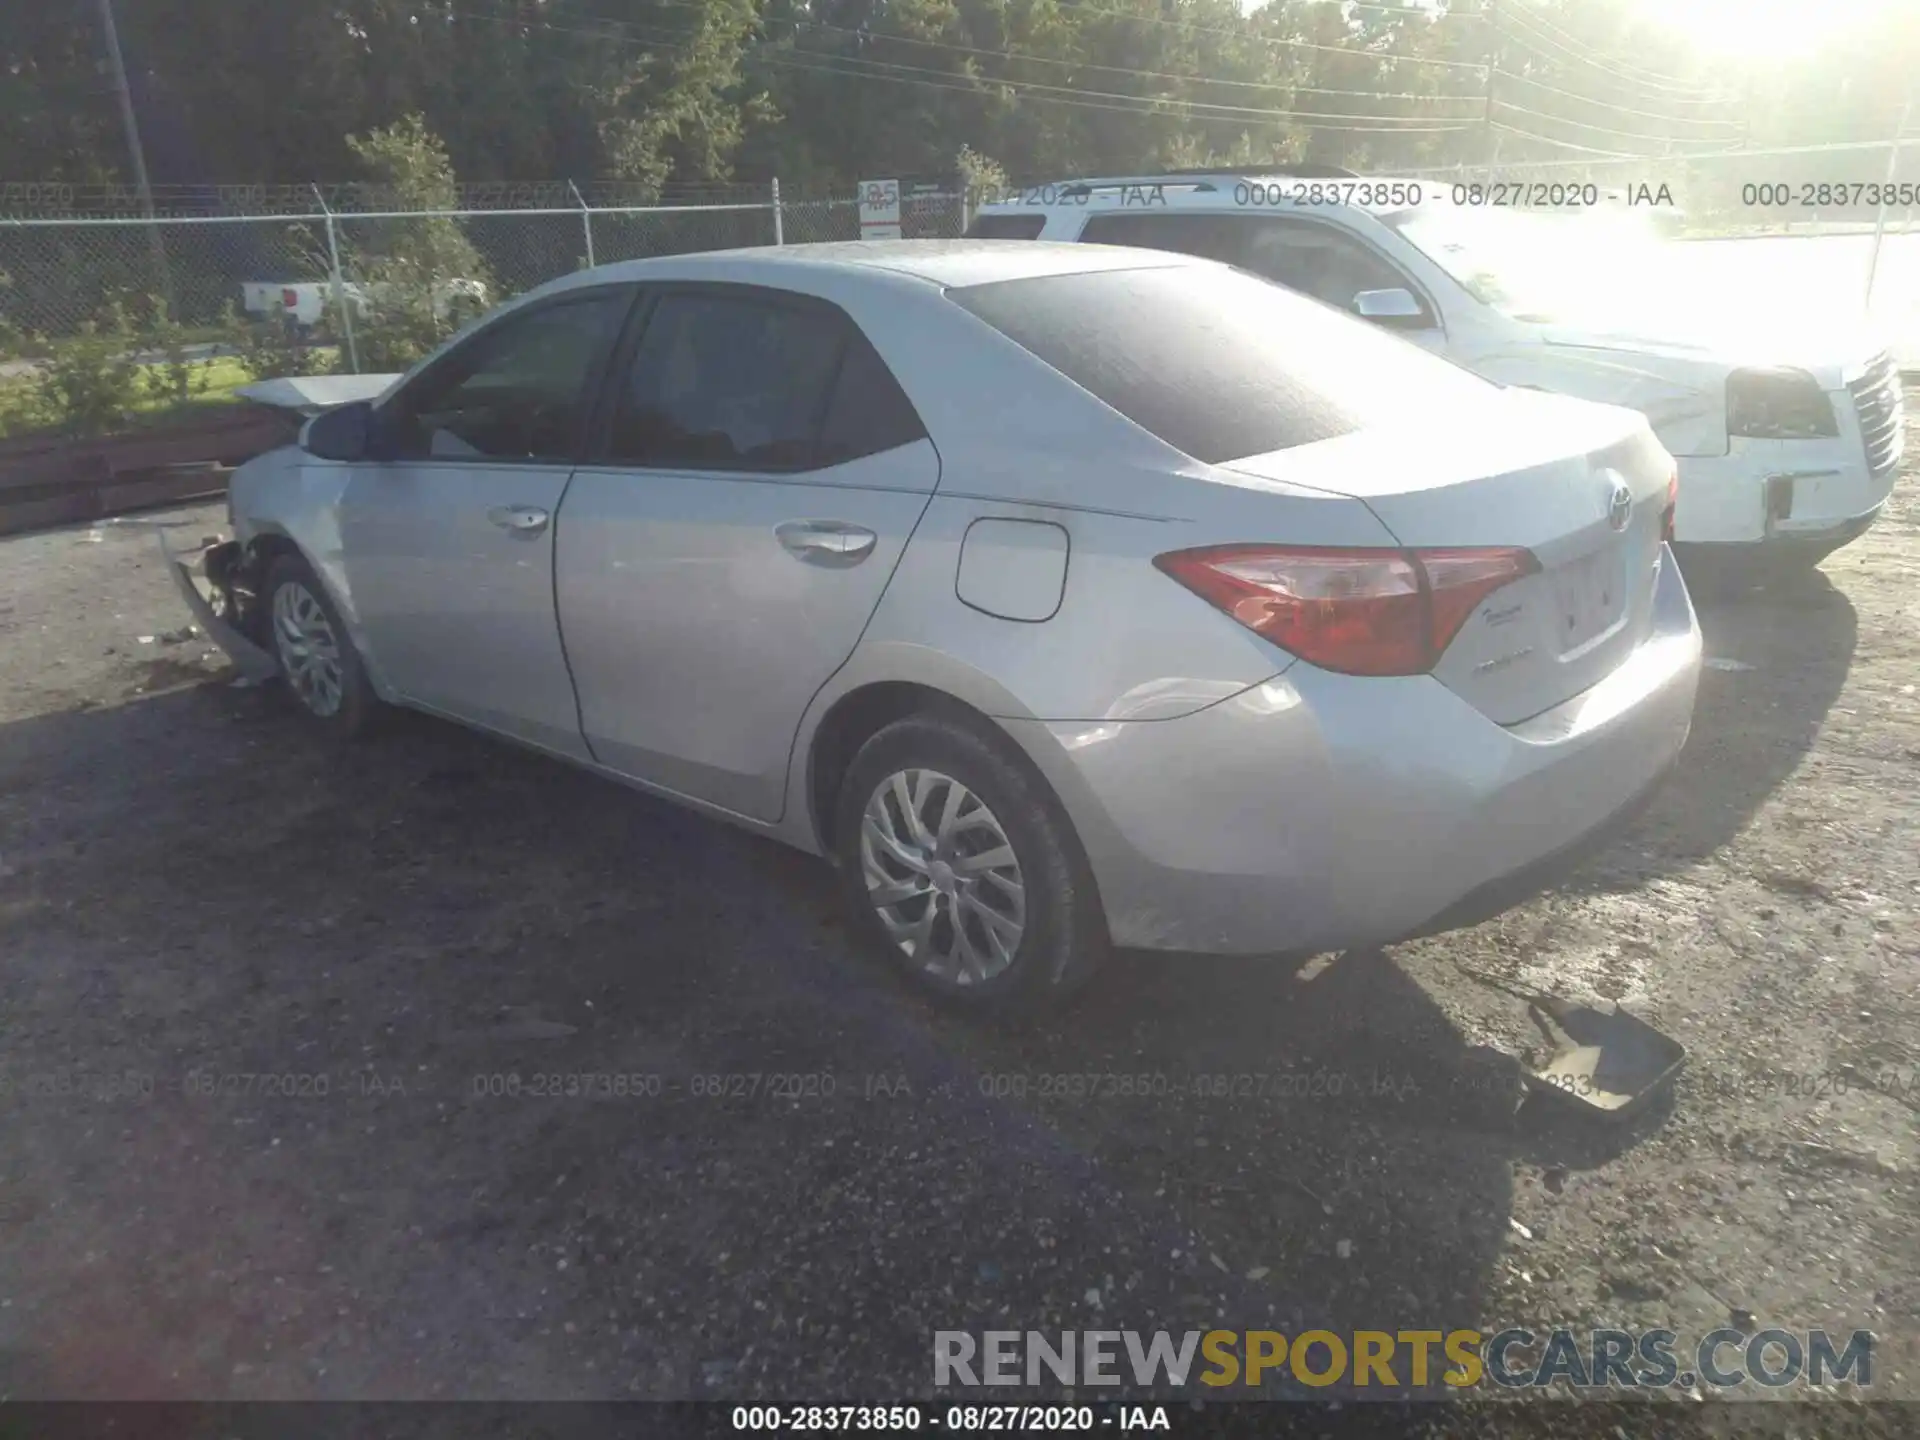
[(867, 413), (727, 383), (1006, 227), (1221, 365)]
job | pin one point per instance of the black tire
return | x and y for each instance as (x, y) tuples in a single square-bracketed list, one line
[(1064, 935), (357, 705)]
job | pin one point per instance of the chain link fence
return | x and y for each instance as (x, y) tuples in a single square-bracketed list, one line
[(334, 272)]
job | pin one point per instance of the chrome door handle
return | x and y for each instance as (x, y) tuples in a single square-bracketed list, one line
[(519, 519), (827, 542)]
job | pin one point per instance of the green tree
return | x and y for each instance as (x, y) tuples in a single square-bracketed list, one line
[(413, 276)]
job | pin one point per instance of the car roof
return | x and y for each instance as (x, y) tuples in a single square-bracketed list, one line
[(943, 263), (1186, 190)]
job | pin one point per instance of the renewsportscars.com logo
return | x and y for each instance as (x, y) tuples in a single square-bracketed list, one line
[(1595, 1359)]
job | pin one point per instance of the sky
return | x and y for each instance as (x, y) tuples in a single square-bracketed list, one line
[(1761, 29)]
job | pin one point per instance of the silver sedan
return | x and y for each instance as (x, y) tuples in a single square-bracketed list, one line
[(1063, 596)]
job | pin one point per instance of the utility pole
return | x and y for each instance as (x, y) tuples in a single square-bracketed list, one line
[(132, 126)]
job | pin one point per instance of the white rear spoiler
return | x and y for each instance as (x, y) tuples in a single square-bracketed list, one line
[(310, 394)]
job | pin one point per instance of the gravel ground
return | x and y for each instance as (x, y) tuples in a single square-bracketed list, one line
[(191, 889)]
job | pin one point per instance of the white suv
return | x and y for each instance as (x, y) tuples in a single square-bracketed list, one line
[(1788, 439)]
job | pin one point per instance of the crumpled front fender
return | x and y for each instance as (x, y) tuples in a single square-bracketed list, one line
[(217, 566)]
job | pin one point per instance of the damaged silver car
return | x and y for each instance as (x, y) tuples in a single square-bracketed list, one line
[(1065, 596)]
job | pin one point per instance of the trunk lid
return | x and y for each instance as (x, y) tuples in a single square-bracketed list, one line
[(1580, 485)]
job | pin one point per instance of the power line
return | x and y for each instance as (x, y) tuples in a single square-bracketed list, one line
[(1269, 39), (1223, 111), (1693, 158), (1244, 34), (1420, 10), (1654, 78), (1610, 105), (948, 80), (1546, 44), (1569, 145), (1157, 107), (1075, 64), (1583, 125)]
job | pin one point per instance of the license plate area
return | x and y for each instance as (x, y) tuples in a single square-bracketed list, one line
[(1589, 595)]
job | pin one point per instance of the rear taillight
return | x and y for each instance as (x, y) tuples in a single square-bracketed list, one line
[(1359, 611), (1673, 499)]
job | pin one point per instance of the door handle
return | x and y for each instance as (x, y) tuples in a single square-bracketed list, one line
[(826, 542), (519, 519)]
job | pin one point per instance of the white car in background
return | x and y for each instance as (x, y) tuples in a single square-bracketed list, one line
[(306, 303), (1788, 433)]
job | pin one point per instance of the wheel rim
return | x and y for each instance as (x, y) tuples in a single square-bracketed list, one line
[(309, 651), (942, 876)]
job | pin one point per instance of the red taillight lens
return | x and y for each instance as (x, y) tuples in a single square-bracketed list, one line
[(1673, 499), (1359, 611)]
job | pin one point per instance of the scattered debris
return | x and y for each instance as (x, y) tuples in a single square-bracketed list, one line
[(1718, 662), (1522, 1231), (1301, 1186)]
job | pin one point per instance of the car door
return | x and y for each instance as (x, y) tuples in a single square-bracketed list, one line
[(447, 540), (758, 475)]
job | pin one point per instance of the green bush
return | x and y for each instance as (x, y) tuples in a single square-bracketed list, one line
[(90, 383), (179, 376), (269, 349)]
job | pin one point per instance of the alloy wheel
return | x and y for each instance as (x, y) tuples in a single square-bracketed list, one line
[(942, 876), (309, 650)]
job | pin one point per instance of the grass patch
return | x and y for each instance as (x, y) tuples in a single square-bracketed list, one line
[(24, 409)]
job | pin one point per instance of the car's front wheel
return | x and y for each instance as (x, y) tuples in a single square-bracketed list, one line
[(317, 660), (958, 863)]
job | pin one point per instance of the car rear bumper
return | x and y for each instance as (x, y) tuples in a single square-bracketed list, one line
[(1790, 548), (1320, 811)]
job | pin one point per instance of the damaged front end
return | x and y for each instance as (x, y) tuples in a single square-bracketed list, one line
[(221, 581), (220, 585)]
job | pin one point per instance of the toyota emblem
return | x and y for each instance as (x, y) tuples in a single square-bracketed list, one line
[(1619, 506)]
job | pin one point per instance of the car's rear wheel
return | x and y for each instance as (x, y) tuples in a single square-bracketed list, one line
[(958, 863), (317, 660)]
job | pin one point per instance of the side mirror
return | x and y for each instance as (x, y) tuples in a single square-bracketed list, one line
[(1395, 308), (342, 433)]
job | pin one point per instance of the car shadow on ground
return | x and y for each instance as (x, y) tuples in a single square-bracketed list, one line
[(196, 881), (1777, 659)]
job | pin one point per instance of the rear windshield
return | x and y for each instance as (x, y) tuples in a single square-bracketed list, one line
[(1220, 364), (1006, 227)]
